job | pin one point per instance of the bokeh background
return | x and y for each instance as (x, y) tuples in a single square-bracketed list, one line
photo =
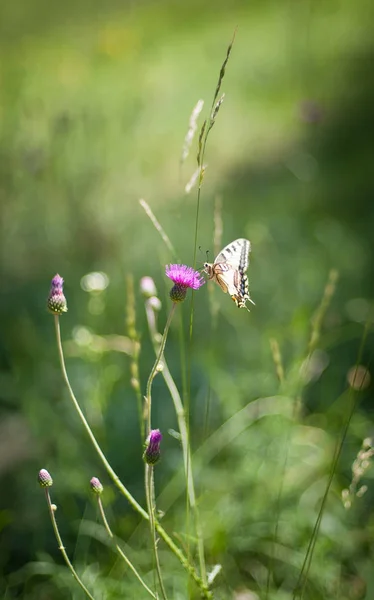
[(95, 101)]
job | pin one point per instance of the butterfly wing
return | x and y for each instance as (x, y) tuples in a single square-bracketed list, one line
[(229, 269), (226, 277), (236, 254)]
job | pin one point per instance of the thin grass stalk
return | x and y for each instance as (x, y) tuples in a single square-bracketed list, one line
[(134, 337), (277, 358), (217, 245), (157, 225), (317, 321), (213, 304), (62, 548), (204, 134), (120, 551), (192, 126)]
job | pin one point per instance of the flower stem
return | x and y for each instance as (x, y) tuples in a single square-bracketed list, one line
[(183, 430), (61, 546), (151, 511), (106, 464), (204, 589), (154, 368), (187, 462), (120, 551), (136, 506)]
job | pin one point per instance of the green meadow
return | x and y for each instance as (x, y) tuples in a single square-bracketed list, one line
[(95, 104)]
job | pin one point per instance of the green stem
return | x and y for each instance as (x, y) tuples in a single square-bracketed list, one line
[(120, 551), (182, 559), (183, 419), (187, 461), (205, 591), (106, 464), (152, 375), (151, 511), (183, 430), (61, 546)]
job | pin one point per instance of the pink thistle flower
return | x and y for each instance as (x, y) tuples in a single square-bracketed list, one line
[(183, 277)]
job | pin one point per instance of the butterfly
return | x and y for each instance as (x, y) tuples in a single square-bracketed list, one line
[(229, 271)]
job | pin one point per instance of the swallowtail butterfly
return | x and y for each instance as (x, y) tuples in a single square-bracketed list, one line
[(229, 271)]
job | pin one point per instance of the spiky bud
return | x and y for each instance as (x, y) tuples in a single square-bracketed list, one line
[(96, 486), (178, 293), (44, 478), (56, 300), (152, 447)]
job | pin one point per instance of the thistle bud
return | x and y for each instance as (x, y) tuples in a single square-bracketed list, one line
[(96, 486), (152, 447), (56, 300), (44, 478)]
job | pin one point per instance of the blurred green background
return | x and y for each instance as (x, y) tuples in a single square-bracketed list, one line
[(94, 107)]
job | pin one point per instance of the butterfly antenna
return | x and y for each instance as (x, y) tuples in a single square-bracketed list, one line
[(206, 260), (207, 251)]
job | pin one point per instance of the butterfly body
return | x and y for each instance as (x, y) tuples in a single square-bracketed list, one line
[(229, 271)]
